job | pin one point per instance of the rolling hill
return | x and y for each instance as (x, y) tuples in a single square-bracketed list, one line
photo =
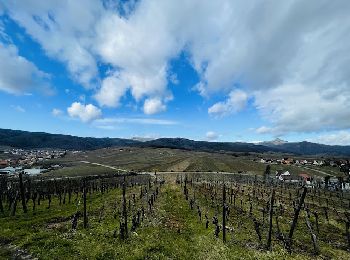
[(32, 140)]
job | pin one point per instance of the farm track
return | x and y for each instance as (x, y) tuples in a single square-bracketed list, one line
[(322, 172), (14, 252)]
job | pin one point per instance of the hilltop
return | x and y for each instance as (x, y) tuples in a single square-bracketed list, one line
[(34, 140)]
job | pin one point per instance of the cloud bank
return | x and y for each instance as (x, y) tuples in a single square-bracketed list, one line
[(18, 75), (290, 57)]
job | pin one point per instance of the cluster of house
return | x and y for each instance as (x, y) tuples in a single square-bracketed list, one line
[(290, 161), (20, 160), (20, 157), (343, 165), (332, 182), (286, 176)]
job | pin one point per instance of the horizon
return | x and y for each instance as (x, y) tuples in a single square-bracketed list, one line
[(139, 138), (153, 69)]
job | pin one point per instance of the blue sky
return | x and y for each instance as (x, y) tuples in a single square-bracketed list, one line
[(235, 71)]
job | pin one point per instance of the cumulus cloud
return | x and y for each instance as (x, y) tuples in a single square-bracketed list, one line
[(112, 90), (153, 106), (211, 136), (65, 31), (56, 112), (265, 47), (235, 102), (333, 138), (18, 75), (300, 108), (85, 113)]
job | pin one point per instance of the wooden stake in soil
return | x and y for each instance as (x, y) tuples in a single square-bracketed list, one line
[(21, 186), (295, 219), (84, 198), (14, 205), (269, 234), (347, 227), (313, 236), (224, 213), (125, 213)]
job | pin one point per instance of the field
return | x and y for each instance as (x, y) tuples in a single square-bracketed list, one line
[(173, 160), (188, 209), (162, 159), (172, 227)]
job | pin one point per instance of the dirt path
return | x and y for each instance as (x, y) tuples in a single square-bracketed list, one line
[(9, 251), (324, 173), (104, 165)]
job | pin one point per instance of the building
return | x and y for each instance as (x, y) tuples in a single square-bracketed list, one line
[(3, 164)]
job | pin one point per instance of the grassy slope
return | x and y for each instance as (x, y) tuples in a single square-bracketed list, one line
[(162, 159), (172, 232)]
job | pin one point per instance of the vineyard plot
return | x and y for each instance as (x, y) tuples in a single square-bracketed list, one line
[(172, 216)]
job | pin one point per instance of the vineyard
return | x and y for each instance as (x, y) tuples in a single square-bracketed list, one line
[(171, 216)]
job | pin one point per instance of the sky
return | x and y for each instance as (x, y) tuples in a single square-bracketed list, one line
[(224, 70)]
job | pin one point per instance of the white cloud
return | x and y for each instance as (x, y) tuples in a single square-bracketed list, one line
[(19, 109), (263, 130), (265, 47), (333, 138), (112, 90), (3, 35), (300, 108), (18, 75), (56, 112), (106, 127), (153, 106), (86, 113), (173, 79), (122, 120), (211, 136), (235, 102), (64, 29)]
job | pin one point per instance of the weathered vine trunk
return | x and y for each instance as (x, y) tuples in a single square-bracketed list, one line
[(269, 234), (224, 213), (84, 199), (23, 198), (295, 219), (125, 213)]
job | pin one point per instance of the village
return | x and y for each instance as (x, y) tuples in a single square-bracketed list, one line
[(28, 161), (340, 180), (316, 162)]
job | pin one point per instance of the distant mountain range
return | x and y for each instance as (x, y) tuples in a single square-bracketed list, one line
[(32, 140), (275, 142)]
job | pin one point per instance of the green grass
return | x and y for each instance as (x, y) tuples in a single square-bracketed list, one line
[(163, 160), (5, 253), (79, 169), (172, 231)]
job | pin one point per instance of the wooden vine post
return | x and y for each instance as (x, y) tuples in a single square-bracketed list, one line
[(295, 219), (84, 199), (21, 186), (224, 213), (125, 214), (313, 236), (269, 234)]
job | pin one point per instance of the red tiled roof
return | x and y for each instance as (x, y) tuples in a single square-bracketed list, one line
[(304, 175)]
